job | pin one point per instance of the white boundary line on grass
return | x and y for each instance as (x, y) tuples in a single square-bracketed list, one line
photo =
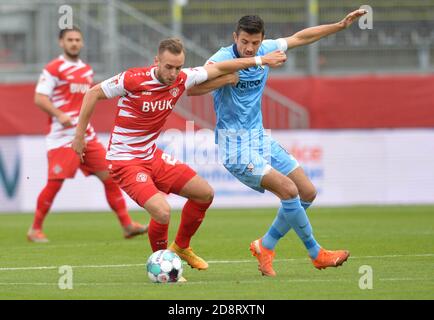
[(141, 284), (210, 262)]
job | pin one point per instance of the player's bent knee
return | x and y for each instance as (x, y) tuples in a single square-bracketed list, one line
[(289, 190), (308, 195), (208, 194), (160, 212), (161, 216)]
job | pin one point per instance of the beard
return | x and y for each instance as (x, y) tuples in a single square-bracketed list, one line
[(162, 80), (72, 54)]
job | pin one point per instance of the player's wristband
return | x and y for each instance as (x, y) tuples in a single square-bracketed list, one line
[(258, 61)]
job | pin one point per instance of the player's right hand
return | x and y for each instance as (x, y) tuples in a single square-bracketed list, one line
[(351, 17), (79, 145), (274, 59), (65, 120)]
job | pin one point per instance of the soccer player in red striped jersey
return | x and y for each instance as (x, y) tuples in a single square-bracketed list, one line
[(147, 97), (59, 92)]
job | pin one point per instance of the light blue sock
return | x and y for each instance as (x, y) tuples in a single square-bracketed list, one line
[(305, 204), (296, 216), (278, 229)]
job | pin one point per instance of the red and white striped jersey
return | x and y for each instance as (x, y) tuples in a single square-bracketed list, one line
[(66, 83), (143, 107)]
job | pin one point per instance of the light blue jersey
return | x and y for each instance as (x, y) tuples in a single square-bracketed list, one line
[(249, 154), (239, 107), (244, 149)]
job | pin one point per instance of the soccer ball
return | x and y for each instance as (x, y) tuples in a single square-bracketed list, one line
[(164, 266)]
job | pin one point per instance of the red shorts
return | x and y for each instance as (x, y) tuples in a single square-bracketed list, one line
[(142, 179), (63, 163)]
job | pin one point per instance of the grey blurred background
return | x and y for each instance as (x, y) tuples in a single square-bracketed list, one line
[(120, 34)]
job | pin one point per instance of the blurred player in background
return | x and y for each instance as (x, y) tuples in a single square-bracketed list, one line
[(59, 93), (259, 161), (147, 97)]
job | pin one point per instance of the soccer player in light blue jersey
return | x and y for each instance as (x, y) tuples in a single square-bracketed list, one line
[(255, 158)]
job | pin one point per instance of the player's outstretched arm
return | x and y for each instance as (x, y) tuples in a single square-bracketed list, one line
[(310, 35), (208, 86), (217, 71), (88, 106), (272, 59)]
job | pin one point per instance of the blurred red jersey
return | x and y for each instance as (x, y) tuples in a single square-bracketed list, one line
[(143, 108), (65, 83)]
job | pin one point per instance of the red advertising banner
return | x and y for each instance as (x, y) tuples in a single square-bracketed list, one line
[(332, 103), (19, 115), (362, 102)]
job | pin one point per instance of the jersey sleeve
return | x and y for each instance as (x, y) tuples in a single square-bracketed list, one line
[(114, 86), (46, 83), (273, 45), (195, 76)]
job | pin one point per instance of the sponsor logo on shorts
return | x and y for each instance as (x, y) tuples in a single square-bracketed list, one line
[(141, 177), (57, 169), (250, 167)]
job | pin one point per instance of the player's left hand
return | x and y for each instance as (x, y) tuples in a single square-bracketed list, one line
[(351, 17), (79, 146)]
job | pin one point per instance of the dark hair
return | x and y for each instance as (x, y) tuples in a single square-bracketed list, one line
[(251, 24), (173, 45), (64, 31)]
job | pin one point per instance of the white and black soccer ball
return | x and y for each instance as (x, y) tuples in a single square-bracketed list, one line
[(164, 266)]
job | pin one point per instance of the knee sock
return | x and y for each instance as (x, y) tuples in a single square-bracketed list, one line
[(305, 204), (116, 201), (158, 234), (45, 200), (278, 229), (292, 215), (191, 218)]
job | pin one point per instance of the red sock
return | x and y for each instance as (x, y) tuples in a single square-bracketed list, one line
[(191, 218), (116, 201), (45, 199), (158, 234)]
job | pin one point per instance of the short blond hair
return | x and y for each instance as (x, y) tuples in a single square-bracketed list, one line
[(173, 45)]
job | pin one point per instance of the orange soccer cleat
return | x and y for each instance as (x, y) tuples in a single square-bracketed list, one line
[(327, 258), (189, 256), (134, 229), (35, 235), (265, 258)]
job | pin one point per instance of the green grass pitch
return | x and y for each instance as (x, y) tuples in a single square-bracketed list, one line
[(396, 242)]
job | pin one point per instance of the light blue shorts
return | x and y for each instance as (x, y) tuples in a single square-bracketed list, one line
[(251, 163)]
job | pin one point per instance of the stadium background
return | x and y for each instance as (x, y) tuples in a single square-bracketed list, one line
[(357, 109)]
